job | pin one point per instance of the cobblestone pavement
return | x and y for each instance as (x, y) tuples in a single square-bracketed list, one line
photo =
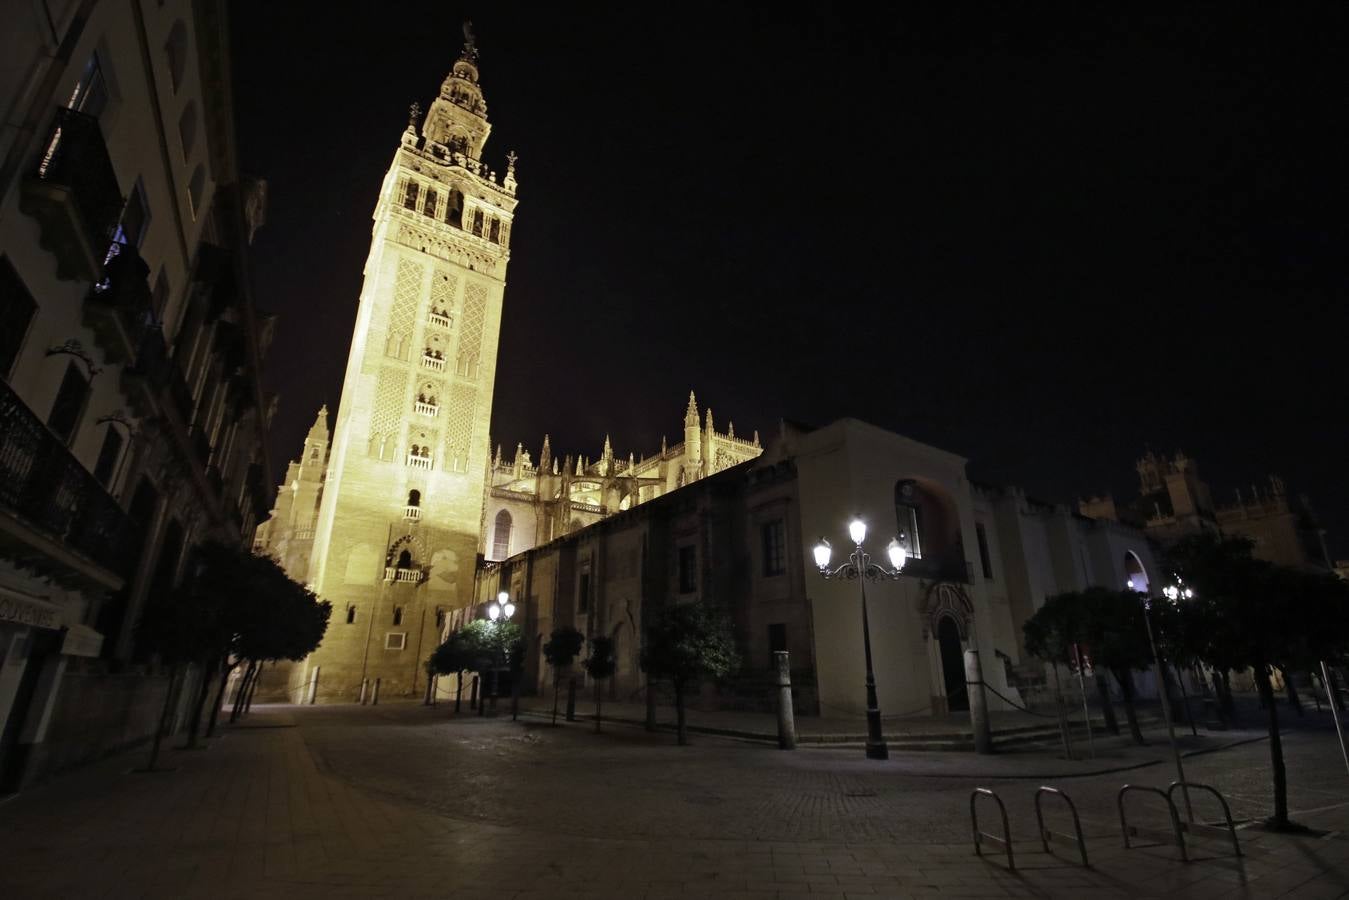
[(401, 800)]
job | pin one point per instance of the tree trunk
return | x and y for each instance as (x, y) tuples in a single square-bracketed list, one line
[(458, 690), (244, 681), (571, 699), (1107, 706), (1126, 686), (598, 701), (1293, 699), (556, 689), (650, 707), (515, 695), (163, 723), (683, 737), (205, 691), (1223, 685), (252, 689), (219, 699), (429, 681), (1279, 820)]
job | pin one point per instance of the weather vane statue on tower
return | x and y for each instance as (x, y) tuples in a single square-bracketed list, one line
[(470, 47)]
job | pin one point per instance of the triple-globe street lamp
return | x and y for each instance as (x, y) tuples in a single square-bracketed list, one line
[(1174, 593), (860, 567), (500, 613)]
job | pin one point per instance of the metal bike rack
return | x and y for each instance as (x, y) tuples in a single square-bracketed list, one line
[(981, 836), (1127, 830), (1230, 829), (1047, 835)]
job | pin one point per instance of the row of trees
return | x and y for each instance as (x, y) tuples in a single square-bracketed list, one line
[(684, 644), (1244, 614), (232, 608)]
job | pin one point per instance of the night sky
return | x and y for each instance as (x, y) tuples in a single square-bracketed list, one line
[(1043, 239)]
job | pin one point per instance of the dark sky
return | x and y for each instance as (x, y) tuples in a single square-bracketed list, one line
[(1042, 238)]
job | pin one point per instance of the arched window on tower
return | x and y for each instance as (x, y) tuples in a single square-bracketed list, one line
[(405, 559), (495, 233), (454, 209), (429, 206), (414, 498), (477, 222), (501, 536)]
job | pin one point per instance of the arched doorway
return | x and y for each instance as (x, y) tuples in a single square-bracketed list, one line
[(952, 665)]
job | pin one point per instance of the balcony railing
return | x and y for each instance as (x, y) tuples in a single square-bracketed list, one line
[(436, 320), (957, 570), (73, 194), (412, 576), (412, 513), (434, 363), (303, 534), (43, 483), (419, 462), (426, 409)]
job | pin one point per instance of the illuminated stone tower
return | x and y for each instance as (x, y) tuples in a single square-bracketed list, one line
[(398, 528)]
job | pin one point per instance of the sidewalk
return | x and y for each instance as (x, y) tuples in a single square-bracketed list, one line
[(257, 816)]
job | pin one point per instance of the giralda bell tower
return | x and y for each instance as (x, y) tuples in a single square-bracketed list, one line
[(397, 531)]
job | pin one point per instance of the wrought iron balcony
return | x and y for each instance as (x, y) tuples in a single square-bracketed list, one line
[(74, 196), (119, 307), (43, 485), (412, 576)]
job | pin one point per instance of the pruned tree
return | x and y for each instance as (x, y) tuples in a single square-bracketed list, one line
[(1112, 625), (1261, 616), (600, 665), (1056, 634), (685, 643), (454, 657), (560, 651)]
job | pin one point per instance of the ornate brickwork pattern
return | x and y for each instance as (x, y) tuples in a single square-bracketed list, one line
[(443, 286), (470, 339), (407, 292), (390, 393), (459, 426)]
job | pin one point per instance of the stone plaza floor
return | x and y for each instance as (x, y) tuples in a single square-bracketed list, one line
[(402, 800)]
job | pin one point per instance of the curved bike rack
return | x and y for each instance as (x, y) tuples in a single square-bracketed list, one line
[(1046, 835), (1230, 829), (981, 836), (1127, 830)]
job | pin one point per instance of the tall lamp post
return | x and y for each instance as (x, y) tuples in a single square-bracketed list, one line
[(1174, 593), (500, 613), (860, 567)]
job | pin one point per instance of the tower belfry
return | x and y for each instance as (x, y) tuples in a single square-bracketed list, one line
[(397, 534)]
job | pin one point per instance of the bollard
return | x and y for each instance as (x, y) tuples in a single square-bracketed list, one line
[(983, 738), (786, 716), (374, 701), (314, 686), (364, 682)]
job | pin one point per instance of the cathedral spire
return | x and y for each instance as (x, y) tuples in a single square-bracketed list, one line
[(691, 414), (457, 118), (545, 456), (319, 430)]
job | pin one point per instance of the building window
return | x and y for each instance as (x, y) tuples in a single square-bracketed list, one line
[(501, 536), (495, 233), (774, 548), (395, 641), (429, 206), (90, 95), (583, 598), (69, 405), (159, 297), (17, 307), (108, 456), (414, 497), (398, 615), (351, 615), (477, 222), (410, 196), (909, 522), (440, 619), (688, 569), (195, 187), (176, 51), (187, 129), (777, 640), (984, 559)]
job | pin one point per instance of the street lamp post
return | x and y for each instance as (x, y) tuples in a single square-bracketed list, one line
[(859, 566), (1174, 593), (500, 613)]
